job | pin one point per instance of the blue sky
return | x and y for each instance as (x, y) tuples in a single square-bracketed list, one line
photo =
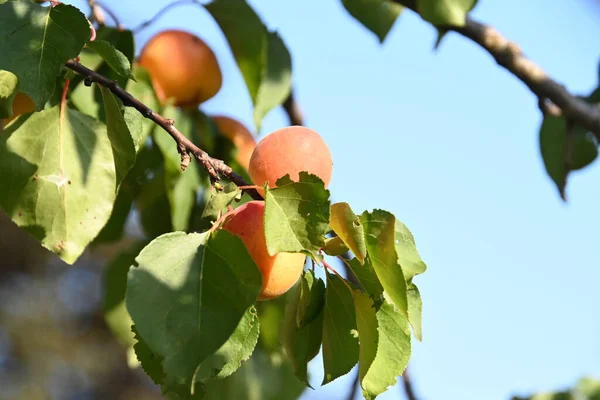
[(447, 141)]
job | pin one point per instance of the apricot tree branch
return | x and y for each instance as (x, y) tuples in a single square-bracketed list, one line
[(160, 12), (508, 55), (214, 167), (407, 385), (292, 110), (102, 7)]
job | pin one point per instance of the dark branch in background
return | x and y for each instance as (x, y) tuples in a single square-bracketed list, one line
[(408, 388), (292, 110), (185, 147), (508, 55), (96, 13), (98, 7), (160, 12), (352, 392)]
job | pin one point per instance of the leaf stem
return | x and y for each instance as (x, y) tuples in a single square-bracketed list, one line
[(214, 167)]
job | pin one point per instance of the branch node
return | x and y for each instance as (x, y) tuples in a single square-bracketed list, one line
[(185, 160), (87, 81)]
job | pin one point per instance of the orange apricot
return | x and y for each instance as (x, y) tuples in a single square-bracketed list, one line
[(22, 104), (279, 272), (182, 67), (290, 150), (239, 135)]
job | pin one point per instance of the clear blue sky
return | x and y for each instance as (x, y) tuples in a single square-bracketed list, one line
[(448, 142)]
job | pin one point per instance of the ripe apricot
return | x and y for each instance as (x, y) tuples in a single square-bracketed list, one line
[(239, 135), (290, 150), (182, 67), (22, 104), (279, 272)]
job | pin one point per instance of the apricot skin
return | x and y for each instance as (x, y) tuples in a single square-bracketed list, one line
[(239, 135), (182, 67), (22, 104), (290, 150), (279, 272)]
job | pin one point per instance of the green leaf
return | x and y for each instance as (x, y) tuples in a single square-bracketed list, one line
[(378, 16), (113, 57), (115, 282), (406, 249), (276, 82), (247, 38), (415, 310), (181, 186), (445, 12), (379, 229), (9, 86), (340, 338), (312, 299), (187, 296), (588, 388), (347, 226), (366, 277), (384, 344), (58, 179), (237, 349), (219, 200), (296, 215), (263, 377), (301, 344), (261, 56), (335, 246), (35, 41), (150, 361), (122, 140), (153, 205), (141, 88), (564, 151)]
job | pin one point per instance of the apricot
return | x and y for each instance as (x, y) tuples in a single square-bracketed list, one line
[(290, 150), (239, 135), (182, 67), (279, 272), (22, 104)]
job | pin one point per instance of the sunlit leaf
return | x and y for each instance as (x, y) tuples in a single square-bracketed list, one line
[(296, 215), (384, 344), (187, 295), (35, 41), (445, 12), (347, 226), (379, 229), (113, 57), (378, 16), (58, 179), (9, 84)]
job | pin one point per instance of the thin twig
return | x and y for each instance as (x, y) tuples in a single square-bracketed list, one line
[(160, 12), (96, 13), (508, 55), (292, 110), (111, 14), (185, 147), (408, 388), (354, 387)]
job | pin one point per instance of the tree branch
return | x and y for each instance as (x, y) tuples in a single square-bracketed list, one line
[(407, 384), (97, 5), (292, 110), (508, 55), (166, 8), (185, 147)]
